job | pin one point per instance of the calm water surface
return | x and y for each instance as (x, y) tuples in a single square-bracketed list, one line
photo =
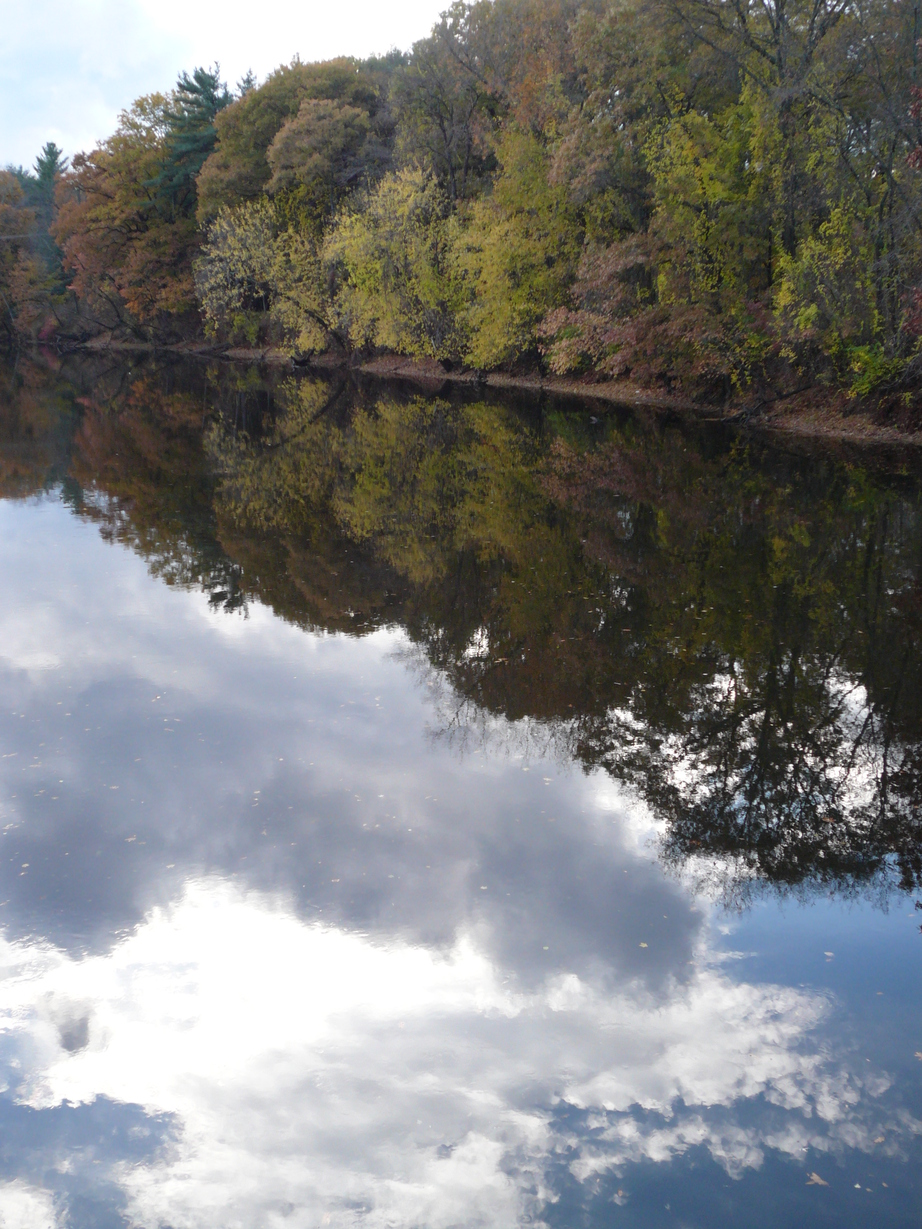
[(432, 812)]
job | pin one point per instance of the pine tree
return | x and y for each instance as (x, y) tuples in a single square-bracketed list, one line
[(190, 139), (246, 83), (50, 165)]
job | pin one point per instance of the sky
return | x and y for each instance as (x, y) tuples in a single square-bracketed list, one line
[(68, 67)]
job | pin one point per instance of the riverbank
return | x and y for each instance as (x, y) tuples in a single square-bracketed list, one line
[(813, 413)]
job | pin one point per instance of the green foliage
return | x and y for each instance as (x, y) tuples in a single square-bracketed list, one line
[(190, 139), (234, 274), (50, 165), (303, 305), (712, 219), (317, 158), (251, 275), (710, 241), (518, 252), (393, 259), (17, 223), (238, 170), (872, 370), (826, 286)]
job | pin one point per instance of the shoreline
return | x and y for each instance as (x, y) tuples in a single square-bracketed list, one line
[(799, 419)]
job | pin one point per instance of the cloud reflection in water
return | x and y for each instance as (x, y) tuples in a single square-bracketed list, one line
[(331, 972), (314, 1071)]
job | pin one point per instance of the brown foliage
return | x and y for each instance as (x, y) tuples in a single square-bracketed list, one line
[(127, 257)]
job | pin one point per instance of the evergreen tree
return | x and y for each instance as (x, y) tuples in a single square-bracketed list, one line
[(246, 83), (50, 165), (190, 139)]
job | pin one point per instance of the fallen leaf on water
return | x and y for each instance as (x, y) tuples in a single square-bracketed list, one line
[(815, 1180)]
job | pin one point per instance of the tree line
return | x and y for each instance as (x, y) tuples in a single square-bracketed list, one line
[(704, 195)]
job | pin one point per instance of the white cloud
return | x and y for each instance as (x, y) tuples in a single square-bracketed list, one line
[(25, 1207), (67, 67), (314, 1072)]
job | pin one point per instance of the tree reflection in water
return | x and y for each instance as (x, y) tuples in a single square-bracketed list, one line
[(729, 630)]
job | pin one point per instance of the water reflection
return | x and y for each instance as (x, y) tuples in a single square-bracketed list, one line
[(733, 636), (376, 773), (318, 1071)]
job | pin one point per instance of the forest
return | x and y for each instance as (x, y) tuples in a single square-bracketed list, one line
[(716, 197)]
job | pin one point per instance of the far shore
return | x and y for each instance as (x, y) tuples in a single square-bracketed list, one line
[(812, 413)]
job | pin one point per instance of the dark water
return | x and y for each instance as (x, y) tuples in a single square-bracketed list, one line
[(428, 812)]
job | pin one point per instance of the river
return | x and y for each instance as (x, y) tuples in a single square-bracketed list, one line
[(421, 810)]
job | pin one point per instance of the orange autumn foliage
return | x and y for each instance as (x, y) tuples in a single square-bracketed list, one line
[(127, 253)]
